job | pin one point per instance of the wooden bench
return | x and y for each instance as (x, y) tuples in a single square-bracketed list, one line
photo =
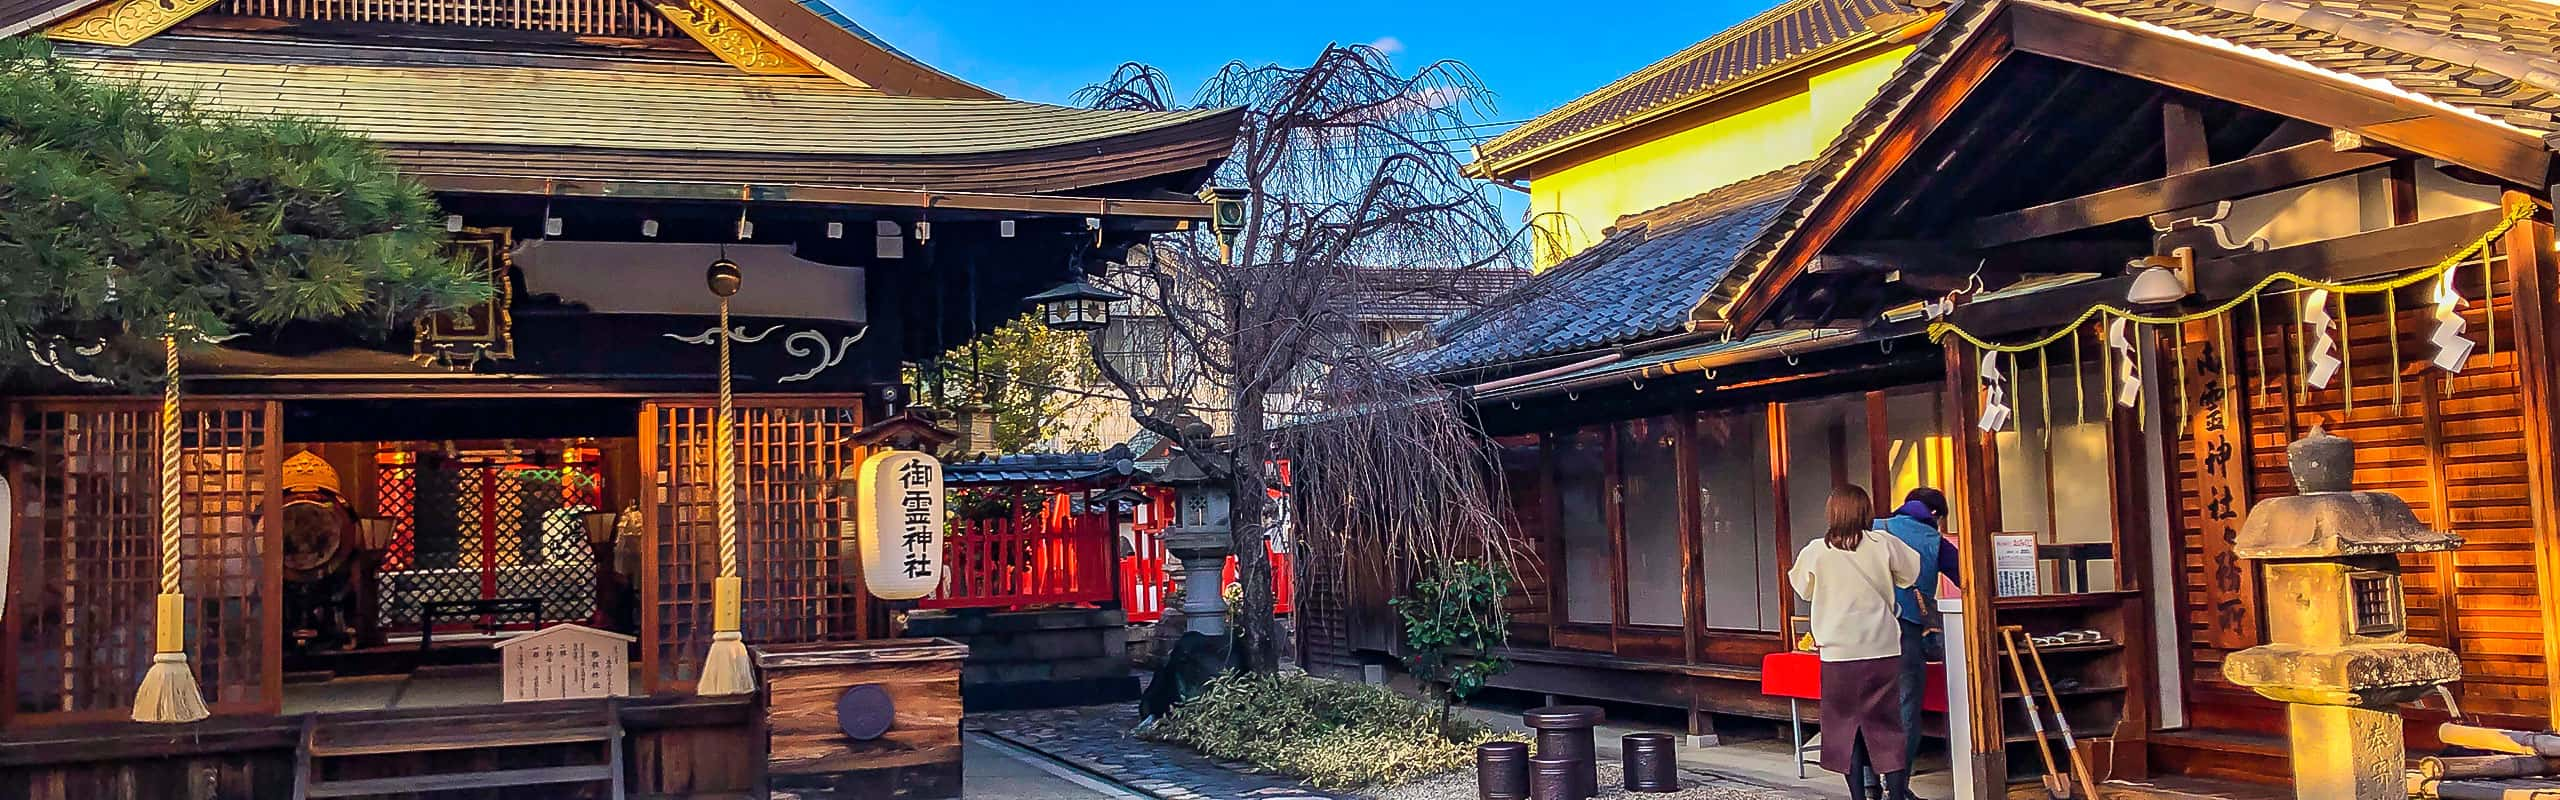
[(486, 611)]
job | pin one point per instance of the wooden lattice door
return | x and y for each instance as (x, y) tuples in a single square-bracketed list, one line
[(86, 564), (803, 578)]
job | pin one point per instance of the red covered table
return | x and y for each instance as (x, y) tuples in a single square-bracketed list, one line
[(1797, 676)]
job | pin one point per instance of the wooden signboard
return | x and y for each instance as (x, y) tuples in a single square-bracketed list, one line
[(565, 662), (2219, 495)]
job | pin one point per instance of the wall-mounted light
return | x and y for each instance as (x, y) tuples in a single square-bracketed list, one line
[(649, 228), (2162, 279)]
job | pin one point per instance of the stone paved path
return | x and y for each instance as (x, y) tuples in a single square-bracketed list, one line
[(1096, 738)]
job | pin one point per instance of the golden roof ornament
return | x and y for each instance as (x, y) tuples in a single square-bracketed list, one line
[(308, 472)]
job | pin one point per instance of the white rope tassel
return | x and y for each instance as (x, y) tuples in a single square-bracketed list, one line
[(168, 692), (2128, 363), (2324, 348), (1995, 394), (727, 669), (2453, 350)]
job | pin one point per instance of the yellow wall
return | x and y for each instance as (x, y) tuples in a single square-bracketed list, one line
[(1573, 205)]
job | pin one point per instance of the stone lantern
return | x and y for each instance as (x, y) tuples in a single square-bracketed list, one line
[(1201, 538), (2338, 651)]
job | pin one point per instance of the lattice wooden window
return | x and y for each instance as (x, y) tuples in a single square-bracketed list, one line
[(582, 17), (80, 619), (803, 581)]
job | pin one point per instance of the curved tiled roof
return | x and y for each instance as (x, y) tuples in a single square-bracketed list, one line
[(2492, 58), (1635, 283), (1775, 38)]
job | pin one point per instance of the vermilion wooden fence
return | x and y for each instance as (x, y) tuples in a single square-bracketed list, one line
[(1144, 582), (1046, 556)]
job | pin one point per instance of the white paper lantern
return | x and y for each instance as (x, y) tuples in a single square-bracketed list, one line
[(898, 523)]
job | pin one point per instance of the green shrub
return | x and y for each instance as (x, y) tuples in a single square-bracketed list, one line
[(1456, 612), (1335, 735)]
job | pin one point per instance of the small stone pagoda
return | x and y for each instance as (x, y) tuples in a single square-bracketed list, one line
[(2338, 650)]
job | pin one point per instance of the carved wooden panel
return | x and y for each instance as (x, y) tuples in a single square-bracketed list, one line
[(584, 17)]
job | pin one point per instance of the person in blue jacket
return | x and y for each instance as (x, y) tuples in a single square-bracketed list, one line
[(1916, 523)]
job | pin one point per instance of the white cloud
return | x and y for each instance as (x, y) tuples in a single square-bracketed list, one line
[(1388, 44)]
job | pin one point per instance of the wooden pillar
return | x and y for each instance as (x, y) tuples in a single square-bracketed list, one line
[(2529, 260), (1975, 492), (1776, 416)]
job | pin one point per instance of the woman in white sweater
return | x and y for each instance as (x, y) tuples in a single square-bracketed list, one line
[(1850, 575)]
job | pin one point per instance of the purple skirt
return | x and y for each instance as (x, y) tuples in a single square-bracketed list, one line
[(1862, 701)]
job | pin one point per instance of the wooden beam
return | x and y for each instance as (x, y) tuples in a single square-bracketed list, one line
[(2045, 309), (2258, 174), (1963, 71), (2116, 46), (814, 195), (1974, 493), (2360, 255), (2182, 137), (1928, 257), (2531, 265)]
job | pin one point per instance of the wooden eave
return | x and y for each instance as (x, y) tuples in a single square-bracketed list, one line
[(817, 195), (2168, 58)]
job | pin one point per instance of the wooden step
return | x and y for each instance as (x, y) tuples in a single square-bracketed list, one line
[(379, 737), (339, 744), (461, 780)]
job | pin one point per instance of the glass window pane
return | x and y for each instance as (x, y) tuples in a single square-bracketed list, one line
[(1524, 512), (2041, 463), (1733, 520), (1826, 448), (1651, 511), (1581, 485)]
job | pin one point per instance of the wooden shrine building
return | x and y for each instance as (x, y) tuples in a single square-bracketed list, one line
[(362, 505), (2088, 265)]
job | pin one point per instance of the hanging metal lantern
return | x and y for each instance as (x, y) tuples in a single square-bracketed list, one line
[(1075, 306)]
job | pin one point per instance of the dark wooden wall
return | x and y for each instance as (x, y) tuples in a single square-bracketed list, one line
[(2449, 445)]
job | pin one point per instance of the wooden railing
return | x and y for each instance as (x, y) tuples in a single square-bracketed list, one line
[(1048, 557)]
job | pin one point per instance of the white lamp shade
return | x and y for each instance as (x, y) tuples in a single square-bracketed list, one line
[(2157, 285)]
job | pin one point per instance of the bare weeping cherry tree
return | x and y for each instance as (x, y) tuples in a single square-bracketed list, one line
[(1354, 198)]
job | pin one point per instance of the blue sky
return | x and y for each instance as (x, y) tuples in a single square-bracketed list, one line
[(1531, 56)]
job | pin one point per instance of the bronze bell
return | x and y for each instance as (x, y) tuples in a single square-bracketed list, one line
[(724, 277)]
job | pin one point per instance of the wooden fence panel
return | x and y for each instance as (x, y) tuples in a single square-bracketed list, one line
[(86, 568), (803, 578)]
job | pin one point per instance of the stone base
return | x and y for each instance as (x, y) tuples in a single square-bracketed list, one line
[(1036, 659), (2346, 753)]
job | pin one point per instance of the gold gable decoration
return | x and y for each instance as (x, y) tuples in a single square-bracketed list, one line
[(121, 23), (730, 38), (483, 330)]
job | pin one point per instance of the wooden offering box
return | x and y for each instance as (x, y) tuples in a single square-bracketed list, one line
[(875, 719)]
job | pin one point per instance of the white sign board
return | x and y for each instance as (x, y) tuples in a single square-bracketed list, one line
[(898, 526), (2013, 556), (565, 662)]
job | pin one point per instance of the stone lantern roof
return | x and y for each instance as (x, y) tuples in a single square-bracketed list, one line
[(2328, 520)]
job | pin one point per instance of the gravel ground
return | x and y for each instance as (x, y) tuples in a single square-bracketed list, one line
[(1693, 786)]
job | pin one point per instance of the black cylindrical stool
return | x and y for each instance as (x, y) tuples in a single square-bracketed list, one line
[(1653, 762), (1555, 778), (1565, 732), (1502, 771)]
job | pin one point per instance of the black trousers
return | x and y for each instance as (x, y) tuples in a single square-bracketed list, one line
[(1915, 673)]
